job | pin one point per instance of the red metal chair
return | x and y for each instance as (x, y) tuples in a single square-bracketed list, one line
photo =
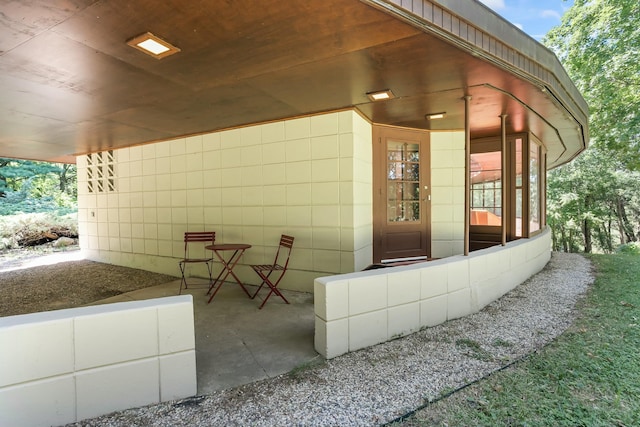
[(201, 237), (279, 267)]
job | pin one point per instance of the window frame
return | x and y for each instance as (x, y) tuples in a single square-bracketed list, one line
[(489, 235)]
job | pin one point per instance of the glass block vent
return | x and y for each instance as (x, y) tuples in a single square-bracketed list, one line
[(101, 172)]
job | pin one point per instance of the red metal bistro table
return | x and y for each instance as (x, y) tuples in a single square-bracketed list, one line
[(236, 249)]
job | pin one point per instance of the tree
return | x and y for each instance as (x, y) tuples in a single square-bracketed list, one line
[(27, 186), (598, 42), (594, 201)]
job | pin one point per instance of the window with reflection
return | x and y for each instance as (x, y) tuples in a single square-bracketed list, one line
[(403, 181), (486, 188), (522, 184), (519, 198), (534, 187)]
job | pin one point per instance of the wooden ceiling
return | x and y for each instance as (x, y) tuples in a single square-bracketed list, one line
[(71, 85)]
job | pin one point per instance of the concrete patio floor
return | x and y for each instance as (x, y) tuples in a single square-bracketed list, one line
[(236, 343)]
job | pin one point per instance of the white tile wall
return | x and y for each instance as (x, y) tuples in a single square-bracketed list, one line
[(379, 305), (250, 184), (81, 363), (447, 193)]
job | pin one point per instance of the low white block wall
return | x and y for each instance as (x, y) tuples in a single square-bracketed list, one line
[(365, 308), (63, 366)]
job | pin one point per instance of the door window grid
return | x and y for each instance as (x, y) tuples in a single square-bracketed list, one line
[(101, 176), (403, 182)]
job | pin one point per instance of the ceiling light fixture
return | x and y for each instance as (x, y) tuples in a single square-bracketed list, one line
[(381, 95), (436, 116), (153, 45)]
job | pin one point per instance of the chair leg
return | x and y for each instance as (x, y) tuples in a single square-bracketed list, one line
[(258, 290), (210, 269), (273, 289), (183, 280)]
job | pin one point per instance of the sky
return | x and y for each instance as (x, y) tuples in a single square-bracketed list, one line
[(534, 17)]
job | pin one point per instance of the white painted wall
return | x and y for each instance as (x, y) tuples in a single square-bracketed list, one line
[(361, 309), (308, 177), (64, 366), (447, 194)]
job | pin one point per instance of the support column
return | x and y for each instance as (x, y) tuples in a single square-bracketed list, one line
[(467, 173), (503, 191)]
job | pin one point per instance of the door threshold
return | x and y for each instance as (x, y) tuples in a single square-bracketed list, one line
[(412, 258)]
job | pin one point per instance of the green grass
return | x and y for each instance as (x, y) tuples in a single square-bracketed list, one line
[(589, 376)]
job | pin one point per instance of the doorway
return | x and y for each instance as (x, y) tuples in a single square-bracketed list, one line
[(402, 194)]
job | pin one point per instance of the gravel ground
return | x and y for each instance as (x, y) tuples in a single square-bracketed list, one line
[(40, 279), (379, 384)]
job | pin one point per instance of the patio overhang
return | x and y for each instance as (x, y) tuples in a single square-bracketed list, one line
[(71, 85)]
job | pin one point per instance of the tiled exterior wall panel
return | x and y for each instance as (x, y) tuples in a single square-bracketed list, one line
[(38, 349), (419, 295), (447, 193), (79, 363), (249, 185)]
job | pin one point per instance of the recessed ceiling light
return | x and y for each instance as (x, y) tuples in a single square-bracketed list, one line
[(381, 95), (435, 116), (153, 45)]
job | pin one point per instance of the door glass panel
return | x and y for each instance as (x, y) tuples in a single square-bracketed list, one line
[(486, 188), (403, 181)]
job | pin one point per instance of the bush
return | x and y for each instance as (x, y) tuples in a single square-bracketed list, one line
[(632, 248), (17, 202)]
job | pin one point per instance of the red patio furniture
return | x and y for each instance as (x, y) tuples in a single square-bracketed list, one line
[(201, 239), (279, 267)]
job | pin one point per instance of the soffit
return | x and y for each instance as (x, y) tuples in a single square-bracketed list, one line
[(71, 85)]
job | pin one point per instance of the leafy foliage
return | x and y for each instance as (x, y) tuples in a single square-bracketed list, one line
[(593, 203), (598, 43), (29, 187)]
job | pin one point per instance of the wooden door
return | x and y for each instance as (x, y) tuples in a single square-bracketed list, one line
[(402, 194)]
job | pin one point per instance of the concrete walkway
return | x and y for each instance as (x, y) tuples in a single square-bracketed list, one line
[(236, 343)]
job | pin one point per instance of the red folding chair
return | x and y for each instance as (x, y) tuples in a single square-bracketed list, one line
[(190, 237), (278, 268)]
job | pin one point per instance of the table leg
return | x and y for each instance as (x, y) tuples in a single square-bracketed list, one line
[(227, 268)]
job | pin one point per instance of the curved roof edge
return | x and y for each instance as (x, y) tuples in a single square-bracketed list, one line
[(473, 27)]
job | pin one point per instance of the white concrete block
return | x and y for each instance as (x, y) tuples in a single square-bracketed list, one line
[(272, 132), (298, 150), (458, 275), (367, 329), (117, 387), (403, 287), (459, 304), (477, 268), (332, 299), (50, 402), (331, 338), (176, 327), (178, 377), (34, 349), (433, 311), (324, 170), (298, 128), (324, 124), (403, 320), (367, 293), (326, 261), (434, 281), (324, 147), (117, 336)]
